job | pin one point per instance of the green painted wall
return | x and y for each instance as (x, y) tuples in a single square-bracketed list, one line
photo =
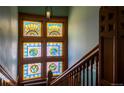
[(40, 10)]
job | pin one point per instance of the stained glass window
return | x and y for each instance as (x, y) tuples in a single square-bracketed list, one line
[(55, 67), (54, 49), (54, 29), (31, 49), (31, 28), (31, 71)]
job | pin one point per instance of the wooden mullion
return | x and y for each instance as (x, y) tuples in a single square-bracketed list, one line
[(51, 39), (43, 59), (27, 39), (54, 59)]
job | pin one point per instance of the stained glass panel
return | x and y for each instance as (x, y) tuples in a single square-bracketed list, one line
[(55, 67), (31, 49), (54, 29), (31, 28), (54, 49), (31, 71)]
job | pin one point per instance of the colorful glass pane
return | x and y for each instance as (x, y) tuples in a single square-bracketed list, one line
[(31, 71), (55, 67), (31, 50), (54, 29), (54, 49), (31, 28)]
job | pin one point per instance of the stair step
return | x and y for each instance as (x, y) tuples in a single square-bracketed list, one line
[(35, 82), (43, 83)]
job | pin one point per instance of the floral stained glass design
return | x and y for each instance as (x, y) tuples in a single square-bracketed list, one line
[(55, 67), (31, 28), (31, 71), (54, 29), (31, 50), (54, 49)]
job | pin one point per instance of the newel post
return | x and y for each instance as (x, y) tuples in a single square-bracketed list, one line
[(50, 75)]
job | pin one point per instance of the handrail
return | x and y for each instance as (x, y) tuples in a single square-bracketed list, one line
[(6, 74), (83, 60)]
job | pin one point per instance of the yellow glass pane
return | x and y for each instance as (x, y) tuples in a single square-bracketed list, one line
[(54, 29), (31, 28)]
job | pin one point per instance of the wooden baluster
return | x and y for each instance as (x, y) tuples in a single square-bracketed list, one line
[(71, 79), (68, 82), (79, 76), (84, 75), (76, 75), (63, 81), (92, 62), (4, 83), (74, 78), (97, 60), (87, 72), (74, 72)]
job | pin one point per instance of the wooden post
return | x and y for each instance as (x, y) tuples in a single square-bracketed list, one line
[(50, 75)]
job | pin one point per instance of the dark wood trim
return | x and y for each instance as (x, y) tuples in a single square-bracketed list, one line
[(39, 16), (7, 75)]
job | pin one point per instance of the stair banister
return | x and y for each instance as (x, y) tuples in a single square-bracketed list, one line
[(72, 76)]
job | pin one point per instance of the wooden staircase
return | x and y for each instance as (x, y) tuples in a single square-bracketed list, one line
[(84, 72)]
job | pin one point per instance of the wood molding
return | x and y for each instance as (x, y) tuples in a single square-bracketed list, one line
[(7, 75)]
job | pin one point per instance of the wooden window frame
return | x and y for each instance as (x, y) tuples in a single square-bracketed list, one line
[(43, 39)]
